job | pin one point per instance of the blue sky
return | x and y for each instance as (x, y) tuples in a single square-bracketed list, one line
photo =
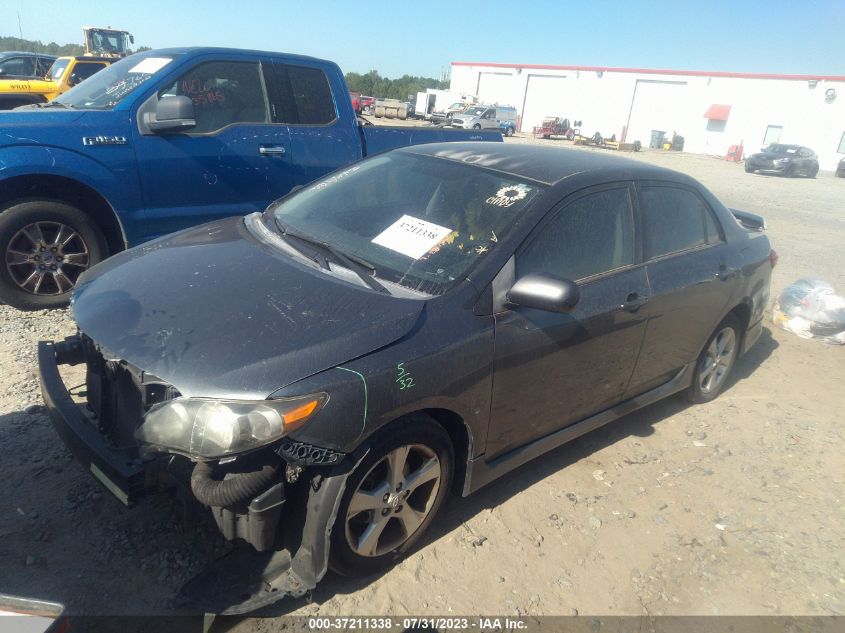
[(423, 37)]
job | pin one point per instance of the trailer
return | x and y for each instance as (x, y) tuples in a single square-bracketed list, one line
[(555, 126)]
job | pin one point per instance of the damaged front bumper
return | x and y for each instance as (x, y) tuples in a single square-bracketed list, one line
[(289, 551), (123, 477)]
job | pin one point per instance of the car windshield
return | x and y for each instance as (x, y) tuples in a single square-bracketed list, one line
[(475, 111), (57, 69), (422, 222), (781, 149), (111, 85)]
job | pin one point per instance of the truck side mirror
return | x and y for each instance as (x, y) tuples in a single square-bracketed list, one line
[(172, 114)]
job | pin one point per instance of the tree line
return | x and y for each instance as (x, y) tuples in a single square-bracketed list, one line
[(374, 85), (37, 46)]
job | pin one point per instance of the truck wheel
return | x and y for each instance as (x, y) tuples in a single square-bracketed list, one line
[(509, 131), (716, 362), (392, 497), (477, 126), (46, 245)]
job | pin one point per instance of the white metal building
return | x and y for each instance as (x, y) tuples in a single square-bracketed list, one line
[(711, 110)]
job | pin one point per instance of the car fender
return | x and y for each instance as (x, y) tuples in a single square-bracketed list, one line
[(116, 182)]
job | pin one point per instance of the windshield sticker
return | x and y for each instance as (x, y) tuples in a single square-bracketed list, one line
[(150, 65), (506, 196), (411, 236)]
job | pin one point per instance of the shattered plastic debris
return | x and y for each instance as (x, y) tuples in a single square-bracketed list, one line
[(810, 308)]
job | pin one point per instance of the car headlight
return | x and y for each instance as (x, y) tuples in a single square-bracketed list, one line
[(208, 429)]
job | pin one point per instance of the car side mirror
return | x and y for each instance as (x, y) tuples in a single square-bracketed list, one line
[(544, 292), (172, 114)]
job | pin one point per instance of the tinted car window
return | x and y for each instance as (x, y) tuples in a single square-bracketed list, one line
[(18, 67), (223, 93), (588, 236), (312, 95), (673, 220), (85, 70)]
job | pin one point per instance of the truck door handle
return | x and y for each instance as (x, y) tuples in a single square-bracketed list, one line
[(271, 150), (633, 302)]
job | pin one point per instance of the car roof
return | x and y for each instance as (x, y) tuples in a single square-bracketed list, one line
[(548, 165), (25, 54)]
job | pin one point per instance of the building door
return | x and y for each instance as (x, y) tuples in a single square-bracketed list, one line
[(545, 96), (657, 105), (772, 135)]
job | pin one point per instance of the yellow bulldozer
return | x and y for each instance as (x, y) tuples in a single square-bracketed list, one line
[(103, 46)]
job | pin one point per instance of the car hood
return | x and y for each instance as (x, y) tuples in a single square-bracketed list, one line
[(217, 313)]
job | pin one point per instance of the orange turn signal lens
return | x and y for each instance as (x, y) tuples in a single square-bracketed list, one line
[(300, 414)]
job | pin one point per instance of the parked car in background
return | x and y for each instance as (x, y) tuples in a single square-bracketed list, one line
[(445, 116), (163, 140), (64, 74), (23, 64), (785, 160), (486, 117), (421, 323), (840, 168), (17, 70)]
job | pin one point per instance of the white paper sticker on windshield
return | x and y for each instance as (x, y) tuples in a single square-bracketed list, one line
[(150, 65), (411, 236)]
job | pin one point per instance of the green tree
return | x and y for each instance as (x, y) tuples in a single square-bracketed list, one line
[(374, 85)]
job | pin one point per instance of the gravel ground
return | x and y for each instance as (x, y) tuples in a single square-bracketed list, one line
[(733, 507)]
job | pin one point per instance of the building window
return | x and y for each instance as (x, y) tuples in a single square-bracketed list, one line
[(772, 135)]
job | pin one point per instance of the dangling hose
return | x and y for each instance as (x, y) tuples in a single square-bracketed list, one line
[(224, 493)]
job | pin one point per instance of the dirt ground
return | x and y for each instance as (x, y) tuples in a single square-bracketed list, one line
[(733, 507)]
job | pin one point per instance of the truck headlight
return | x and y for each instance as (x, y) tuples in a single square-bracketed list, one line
[(208, 429)]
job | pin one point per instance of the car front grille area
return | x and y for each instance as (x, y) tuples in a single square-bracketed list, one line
[(118, 396)]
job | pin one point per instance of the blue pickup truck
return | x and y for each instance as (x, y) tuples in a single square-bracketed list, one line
[(164, 140)]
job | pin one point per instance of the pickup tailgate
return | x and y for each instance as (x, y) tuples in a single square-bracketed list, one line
[(381, 138)]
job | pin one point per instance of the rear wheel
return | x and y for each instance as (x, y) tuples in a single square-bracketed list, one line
[(46, 246), (715, 362), (392, 497), (748, 169), (509, 131)]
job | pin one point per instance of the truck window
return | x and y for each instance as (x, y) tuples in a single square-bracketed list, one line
[(312, 95), (223, 93), (83, 70)]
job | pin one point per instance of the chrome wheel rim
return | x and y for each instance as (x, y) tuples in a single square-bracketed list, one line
[(46, 258), (393, 499), (717, 361)]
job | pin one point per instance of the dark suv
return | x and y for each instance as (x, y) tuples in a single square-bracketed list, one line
[(423, 321), (785, 160)]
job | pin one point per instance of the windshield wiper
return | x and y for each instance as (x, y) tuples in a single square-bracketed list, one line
[(352, 262), (53, 104)]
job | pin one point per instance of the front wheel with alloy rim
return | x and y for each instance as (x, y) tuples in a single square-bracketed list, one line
[(392, 497), (46, 246), (715, 362)]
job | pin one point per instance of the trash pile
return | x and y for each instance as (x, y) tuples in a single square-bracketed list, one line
[(810, 308)]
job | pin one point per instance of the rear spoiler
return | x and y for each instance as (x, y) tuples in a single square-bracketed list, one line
[(750, 221)]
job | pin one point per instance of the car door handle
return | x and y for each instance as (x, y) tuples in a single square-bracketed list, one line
[(726, 273), (634, 302), (271, 150)]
